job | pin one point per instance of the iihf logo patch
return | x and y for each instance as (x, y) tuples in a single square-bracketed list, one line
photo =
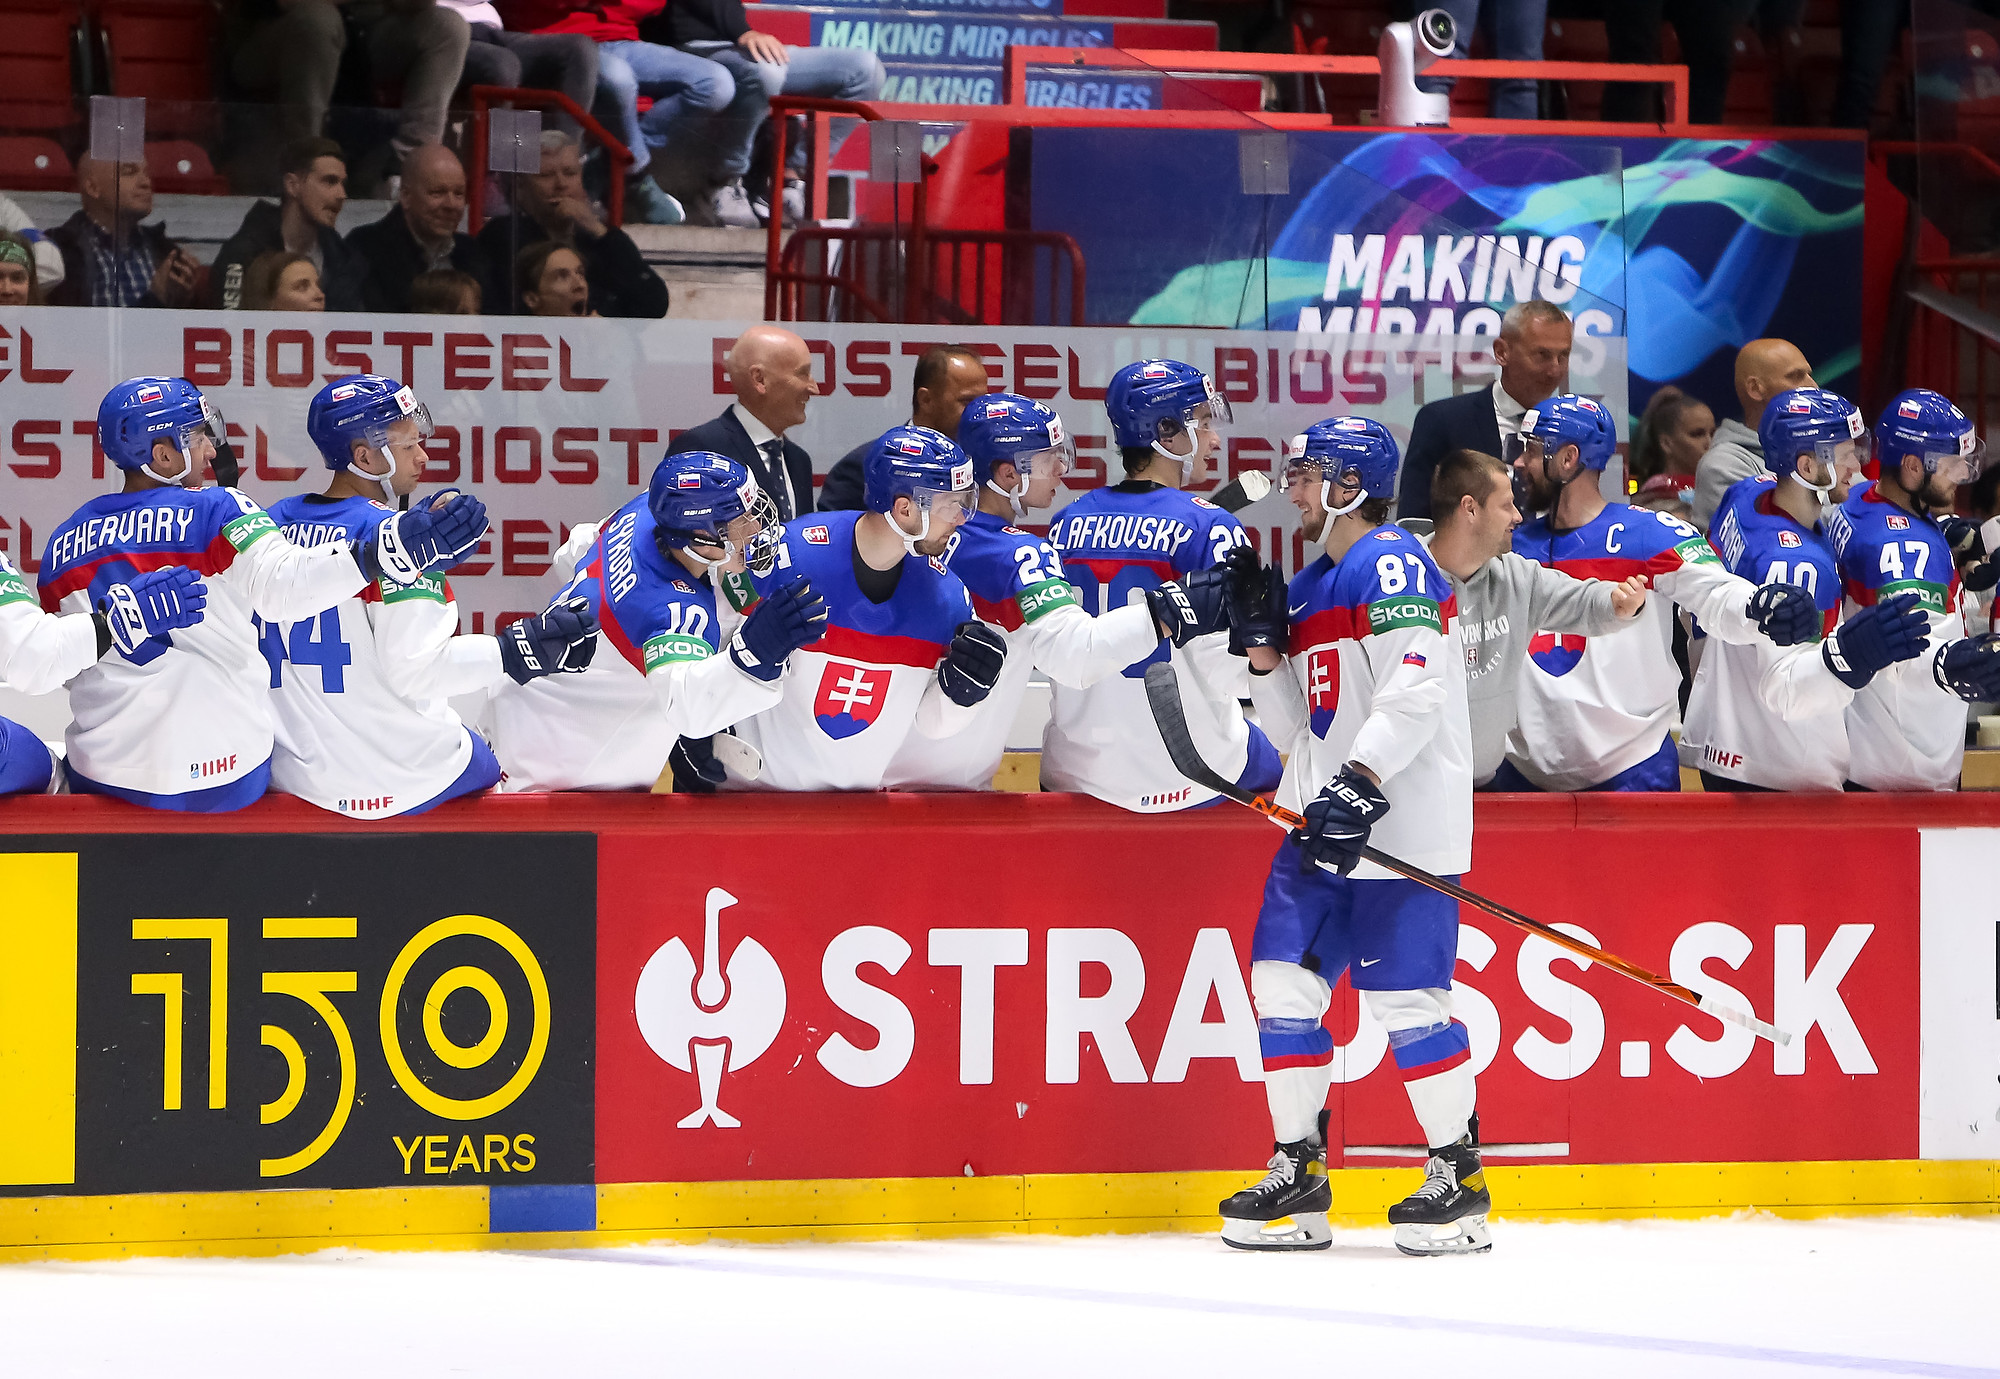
[(816, 536), (1789, 538), (1556, 652), (849, 699), (1898, 522), (1323, 689)]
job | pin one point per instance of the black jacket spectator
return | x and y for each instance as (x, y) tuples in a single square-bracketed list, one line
[(262, 232), (621, 283), (392, 257), (726, 436), (81, 283), (845, 483), (1465, 422), (699, 21)]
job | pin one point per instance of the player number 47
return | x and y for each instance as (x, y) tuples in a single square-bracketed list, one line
[(1892, 559)]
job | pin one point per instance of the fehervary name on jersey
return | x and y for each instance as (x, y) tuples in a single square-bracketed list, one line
[(135, 526)]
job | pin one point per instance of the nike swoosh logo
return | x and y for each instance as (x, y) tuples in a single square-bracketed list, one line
[(1294, 612), (1370, 962)]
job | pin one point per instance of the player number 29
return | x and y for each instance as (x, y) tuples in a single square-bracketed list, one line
[(1389, 569)]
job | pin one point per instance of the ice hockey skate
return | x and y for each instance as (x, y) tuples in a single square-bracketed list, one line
[(1287, 1210), (1447, 1215)]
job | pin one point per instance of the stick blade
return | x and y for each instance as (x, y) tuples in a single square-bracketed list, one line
[(1163, 696), (1750, 1022)]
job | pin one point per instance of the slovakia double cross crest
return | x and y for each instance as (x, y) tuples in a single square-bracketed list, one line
[(849, 698)]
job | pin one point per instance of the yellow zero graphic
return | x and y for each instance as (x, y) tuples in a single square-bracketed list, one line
[(459, 1055)]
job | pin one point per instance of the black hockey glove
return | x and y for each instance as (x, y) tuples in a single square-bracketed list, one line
[(558, 642), (1785, 613), (1978, 569), (971, 668), (1339, 820), (1875, 638), (1970, 668), (786, 619), (150, 605), (435, 536), (1254, 601), (696, 771), (227, 470), (1192, 606)]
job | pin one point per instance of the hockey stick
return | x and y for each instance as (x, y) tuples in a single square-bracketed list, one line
[(1163, 694)]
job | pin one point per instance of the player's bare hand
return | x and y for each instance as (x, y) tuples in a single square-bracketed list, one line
[(1628, 598), (762, 47), (173, 281)]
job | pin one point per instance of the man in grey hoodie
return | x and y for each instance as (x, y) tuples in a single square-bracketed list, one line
[(1504, 600), (1764, 368)]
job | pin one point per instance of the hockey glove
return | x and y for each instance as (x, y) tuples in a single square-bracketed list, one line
[(227, 470), (1339, 820), (1785, 613), (1876, 637), (1970, 668), (1978, 570), (783, 621), (150, 605), (435, 536), (1254, 600), (1192, 606), (559, 642), (696, 771), (971, 668)]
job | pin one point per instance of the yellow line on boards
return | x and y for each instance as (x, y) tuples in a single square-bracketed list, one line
[(37, 1018)]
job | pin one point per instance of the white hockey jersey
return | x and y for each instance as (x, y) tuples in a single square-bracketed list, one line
[(1117, 543), (1591, 708), (656, 676), (1763, 714), (1374, 674), (1904, 731), (1016, 582), (39, 651), (359, 689), (185, 721), (853, 698)]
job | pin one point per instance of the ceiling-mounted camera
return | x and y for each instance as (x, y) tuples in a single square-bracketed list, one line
[(1406, 50)]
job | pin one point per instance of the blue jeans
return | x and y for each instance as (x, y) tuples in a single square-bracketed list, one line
[(681, 85), (848, 74), (1513, 33)]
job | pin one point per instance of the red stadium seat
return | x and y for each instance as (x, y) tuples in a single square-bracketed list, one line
[(32, 163), (163, 50), (180, 165), (38, 65)]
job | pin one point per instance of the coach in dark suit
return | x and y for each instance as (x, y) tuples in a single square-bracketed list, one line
[(947, 378), (771, 370), (1533, 354)]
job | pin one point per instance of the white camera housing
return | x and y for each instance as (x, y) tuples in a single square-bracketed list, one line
[(1407, 49)]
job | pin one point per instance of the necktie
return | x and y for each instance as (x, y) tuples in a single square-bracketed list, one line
[(780, 490)]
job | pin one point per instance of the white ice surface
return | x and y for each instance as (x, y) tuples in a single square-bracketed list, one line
[(1717, 1298)]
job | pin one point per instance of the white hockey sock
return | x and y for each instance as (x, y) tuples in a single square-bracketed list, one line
[(1443, 1103), (1297, 1096)]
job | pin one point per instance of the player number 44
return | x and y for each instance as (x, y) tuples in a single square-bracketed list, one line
[(310, 643)]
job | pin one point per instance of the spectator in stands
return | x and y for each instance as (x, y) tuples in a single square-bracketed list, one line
[(682, 88), (109, 257), (419, 233), (445, 292), (947, 378), (764, 67), (1513, 33), (543, 62), (315, 189), (554, 206), (1532, 351), (1706, 30), (292, 48), (282, 281), (1673, 435), (17, 271), (771, 370), (1764, 368), (48, 259), (550, 281)]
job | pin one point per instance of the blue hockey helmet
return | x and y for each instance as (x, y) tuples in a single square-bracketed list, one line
[(141, 412), (1005, 428), (1159, 402), (1354, 450), (1802, 423), (924, 466), (362, 407), (1571, 419), (1929, 426), (697, 497)]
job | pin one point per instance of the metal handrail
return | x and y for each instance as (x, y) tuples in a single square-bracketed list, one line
[(781, 106), (792, 273), (484, 96)]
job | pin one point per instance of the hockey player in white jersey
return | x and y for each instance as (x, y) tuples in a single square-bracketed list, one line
[(675, 668), (1019, 453), (1906, 727), (1596, 713), (1764, 717), (360, 689), (1356, 667), (184, 720), (900, 652), (1117, 545), (40, 651)]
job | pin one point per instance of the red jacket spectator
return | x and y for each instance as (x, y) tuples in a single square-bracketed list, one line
[(608, 21)]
